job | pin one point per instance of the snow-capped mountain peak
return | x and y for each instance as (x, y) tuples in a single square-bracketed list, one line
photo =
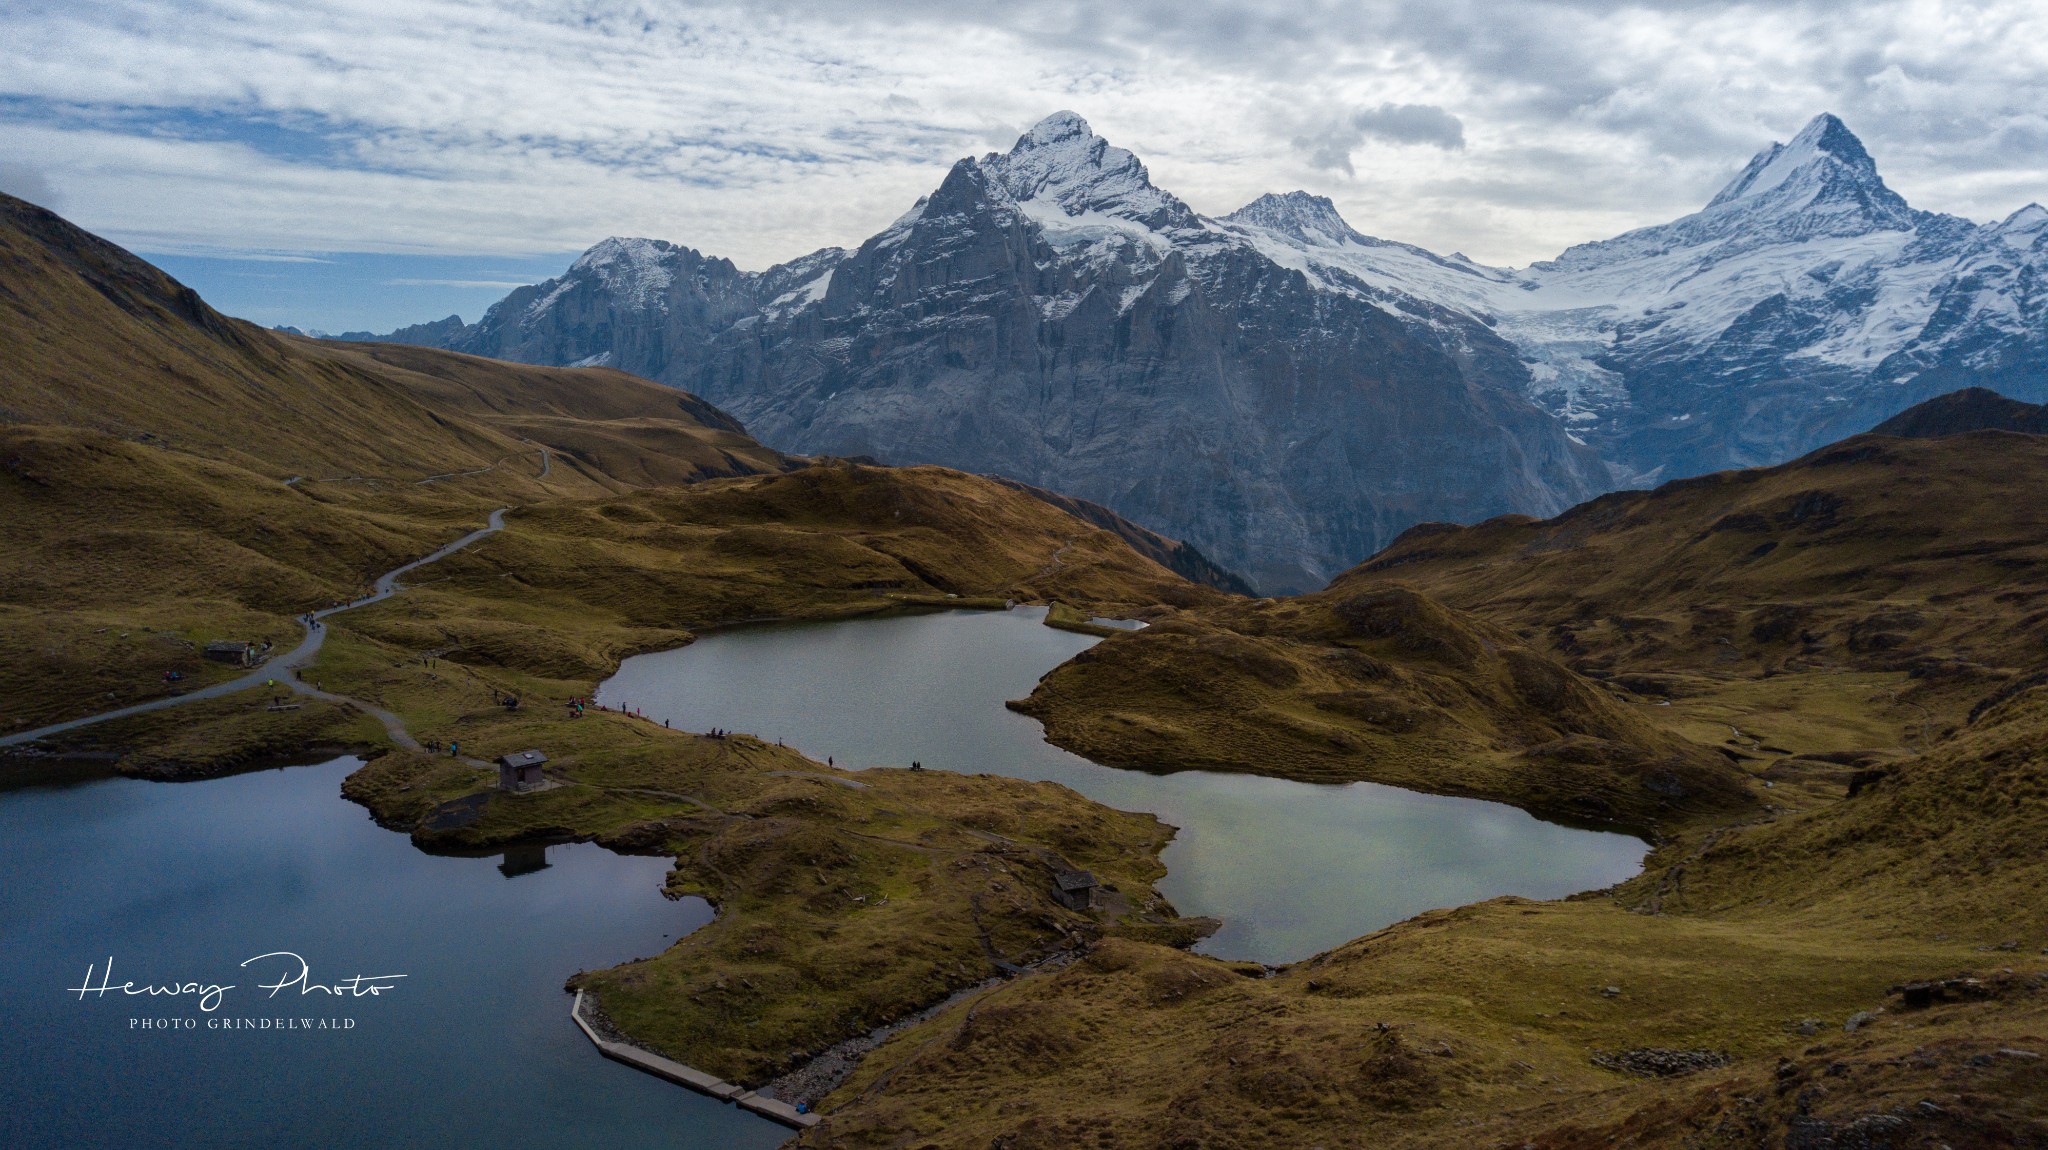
[(1825, 138), (1308, 219), (1823, 171), (1062, 162), (621, 253), (1305, 232), (1821, 185), (1058, 128), (2029, 220), (631, 268)]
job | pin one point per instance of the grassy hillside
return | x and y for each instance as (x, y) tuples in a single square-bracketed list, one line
[(1383, 684), (1878, 554), (171, 476), (1959, 412), (95, 339), (1803, 621), (552, 603), (1175, 555)]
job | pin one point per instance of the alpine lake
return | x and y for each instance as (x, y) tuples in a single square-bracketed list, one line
[(469, 1042)]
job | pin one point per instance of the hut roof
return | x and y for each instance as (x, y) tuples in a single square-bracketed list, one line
[(522, 759), (227, 645), (1074, 880)]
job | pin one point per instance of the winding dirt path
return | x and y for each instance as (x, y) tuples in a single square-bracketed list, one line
[(281, 667)]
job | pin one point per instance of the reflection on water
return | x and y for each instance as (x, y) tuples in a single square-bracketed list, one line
[(1291, 868), (525, 858), (177, 881)]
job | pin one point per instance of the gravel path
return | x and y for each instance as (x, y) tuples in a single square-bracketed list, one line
[(281, 667)]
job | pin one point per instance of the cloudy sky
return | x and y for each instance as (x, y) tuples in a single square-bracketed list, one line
[(455, 145)]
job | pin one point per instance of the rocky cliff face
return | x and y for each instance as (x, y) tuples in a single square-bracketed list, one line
[(1051, 316), (1288, 393), (646, 306)]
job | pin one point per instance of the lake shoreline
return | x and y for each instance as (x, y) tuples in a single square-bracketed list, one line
[(276, 860)]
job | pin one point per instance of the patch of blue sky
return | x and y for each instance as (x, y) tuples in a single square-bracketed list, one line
[(297, 137), (338, 292), (309, 140)]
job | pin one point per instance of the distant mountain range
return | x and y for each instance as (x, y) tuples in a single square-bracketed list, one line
[(1287, 393)]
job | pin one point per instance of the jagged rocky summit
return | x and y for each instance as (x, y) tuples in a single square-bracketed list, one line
[(1287, 393)]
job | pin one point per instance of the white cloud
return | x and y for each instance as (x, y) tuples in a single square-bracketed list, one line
[(28, 183), (765, 131)]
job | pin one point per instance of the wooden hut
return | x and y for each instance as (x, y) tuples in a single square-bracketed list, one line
[(520, 771), (1075, 889), (232, 651)]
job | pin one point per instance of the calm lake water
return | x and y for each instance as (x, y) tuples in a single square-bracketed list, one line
[(1291, 868), (184, 881)]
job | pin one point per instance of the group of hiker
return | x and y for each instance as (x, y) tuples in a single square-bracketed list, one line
[(576, 706)]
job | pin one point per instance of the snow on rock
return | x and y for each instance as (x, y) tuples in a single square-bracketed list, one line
[(1805, 301), (634, 271), (1061, 161), (1805, 262)]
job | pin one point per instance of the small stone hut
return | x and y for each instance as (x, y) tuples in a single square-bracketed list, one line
[(1075, 889), (232, 651), (520, 771)]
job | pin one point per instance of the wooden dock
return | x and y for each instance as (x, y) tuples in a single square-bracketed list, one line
[(695, 1079)]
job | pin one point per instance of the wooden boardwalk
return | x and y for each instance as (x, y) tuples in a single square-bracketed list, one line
[(695, 1079)]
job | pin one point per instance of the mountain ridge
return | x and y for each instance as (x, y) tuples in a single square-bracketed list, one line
[(1807, 300), (1050, 315)]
